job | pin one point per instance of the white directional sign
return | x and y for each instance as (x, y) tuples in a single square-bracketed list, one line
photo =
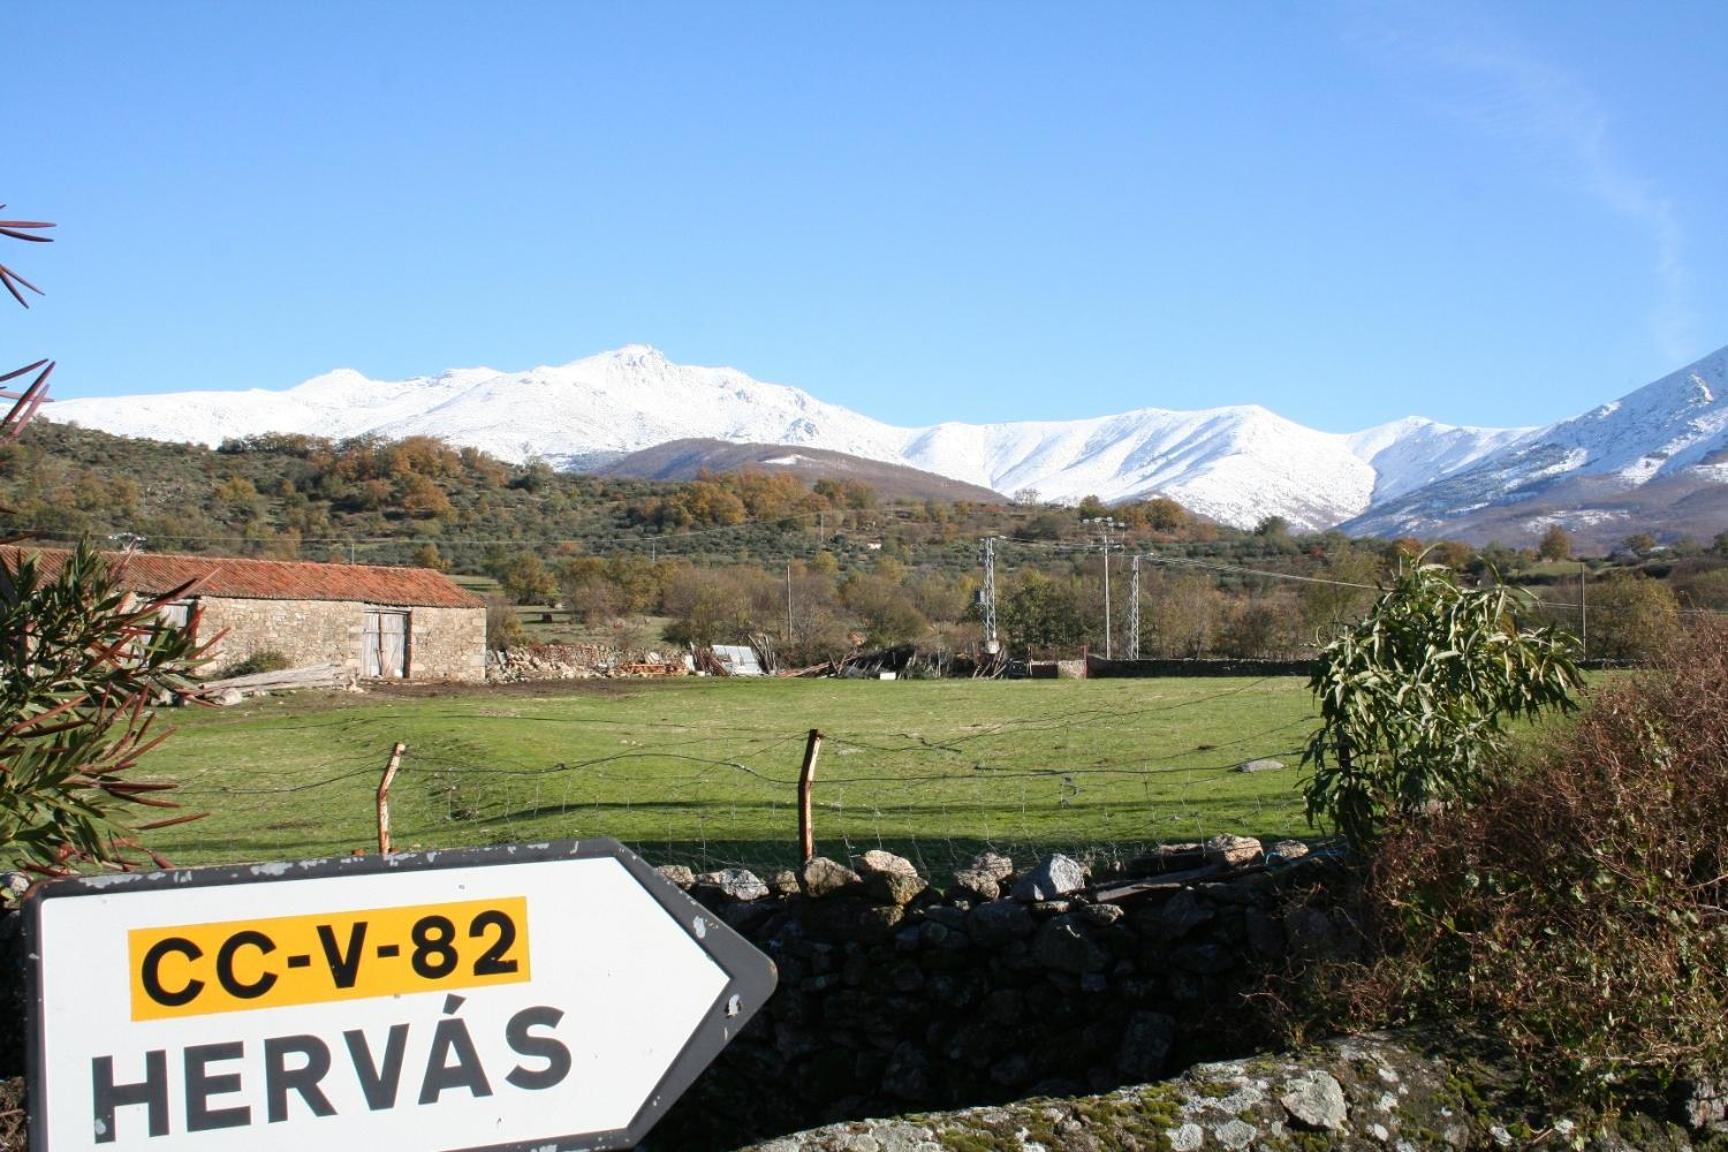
[(550, 996)]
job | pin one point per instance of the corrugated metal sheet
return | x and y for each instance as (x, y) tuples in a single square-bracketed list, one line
[(738, 659), (242, 579)]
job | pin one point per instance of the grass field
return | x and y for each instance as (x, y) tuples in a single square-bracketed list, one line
[(704, 771)]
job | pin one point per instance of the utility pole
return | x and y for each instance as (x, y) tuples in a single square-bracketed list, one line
[(987, 597), (1583, 612), (788, 602), (1134, 610), (1105, 524)]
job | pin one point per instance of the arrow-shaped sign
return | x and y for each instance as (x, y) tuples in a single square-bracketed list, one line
[(546, 996)]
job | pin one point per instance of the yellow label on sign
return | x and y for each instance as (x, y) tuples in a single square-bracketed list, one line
[(197, 969)]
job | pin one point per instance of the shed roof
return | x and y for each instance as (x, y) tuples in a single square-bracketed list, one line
[(244, 579)]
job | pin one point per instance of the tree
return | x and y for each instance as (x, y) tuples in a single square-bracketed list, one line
[(81, 662), (528, 581), (1272, 528), (426, 555), (1632, 618), (1414, 699), (1556, 544), (1640, 543)]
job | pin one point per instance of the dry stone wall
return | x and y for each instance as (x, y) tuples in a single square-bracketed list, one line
[(1006, 979)]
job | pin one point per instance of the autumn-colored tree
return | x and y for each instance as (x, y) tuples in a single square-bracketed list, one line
[(1556, 544)]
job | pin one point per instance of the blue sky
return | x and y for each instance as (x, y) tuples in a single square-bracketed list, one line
[(1346, 212)]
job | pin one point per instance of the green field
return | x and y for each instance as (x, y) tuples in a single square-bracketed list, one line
[(704, 771)]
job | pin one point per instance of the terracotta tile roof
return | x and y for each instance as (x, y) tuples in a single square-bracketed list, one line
[(242, 579)]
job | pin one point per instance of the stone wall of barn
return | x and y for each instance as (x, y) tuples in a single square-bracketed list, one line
[(444, 643), (447, 644)]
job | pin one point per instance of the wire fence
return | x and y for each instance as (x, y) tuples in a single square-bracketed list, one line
[(934, 771)]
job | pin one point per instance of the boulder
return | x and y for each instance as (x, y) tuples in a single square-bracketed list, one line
[(1233, 851), (1288, 850), (1054, 877), (888, 878), (996, 923), (1064, 946), (783, 882), (979, 884), (821, 877), (733, 884), (679, 875), (992, 864), (1316, 1101), (1260, 766)]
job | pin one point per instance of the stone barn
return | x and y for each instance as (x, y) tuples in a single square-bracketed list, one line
[(377, 623)]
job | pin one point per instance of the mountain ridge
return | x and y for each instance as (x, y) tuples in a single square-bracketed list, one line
[(1236, 464)]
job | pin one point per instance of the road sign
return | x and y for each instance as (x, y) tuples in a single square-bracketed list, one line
[(547, 996)]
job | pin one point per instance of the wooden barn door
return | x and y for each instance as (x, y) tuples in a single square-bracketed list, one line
[(385, 655)]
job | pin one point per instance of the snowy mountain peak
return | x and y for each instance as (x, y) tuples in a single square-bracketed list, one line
[(1670, 434), (1236, 464)]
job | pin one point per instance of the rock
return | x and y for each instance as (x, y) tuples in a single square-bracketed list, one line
[(1260, 766), (1145, 1048), (1183, 913), (1232, 851), (1288, 850), (1062, 945), (1054, 877), (992, 864), (1100, 915), (679, 875), (1316, 1101), (996, 923), (783, 882), (948, 917), (978, 883), (889, 878), (1235, 1135), (1188, 1138), (856, 921), (821, 877), (228, 697), (733, 884), (1701, 1103), (16, 883)]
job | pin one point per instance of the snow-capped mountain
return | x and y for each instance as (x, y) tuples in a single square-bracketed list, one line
[(1235, 464), (1655, 458)]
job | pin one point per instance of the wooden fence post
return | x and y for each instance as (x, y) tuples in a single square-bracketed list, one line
[(384, 797), (806, 780)]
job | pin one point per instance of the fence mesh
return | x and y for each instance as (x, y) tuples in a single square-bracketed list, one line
[(706, 773)]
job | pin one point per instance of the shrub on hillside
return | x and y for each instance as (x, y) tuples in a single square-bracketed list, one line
[(504, 629), (1579, 913)]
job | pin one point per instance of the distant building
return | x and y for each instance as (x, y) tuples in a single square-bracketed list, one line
[(378, 623)]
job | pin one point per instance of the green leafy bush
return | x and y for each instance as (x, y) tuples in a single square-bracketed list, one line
[(1414, 699), (81, 664)]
